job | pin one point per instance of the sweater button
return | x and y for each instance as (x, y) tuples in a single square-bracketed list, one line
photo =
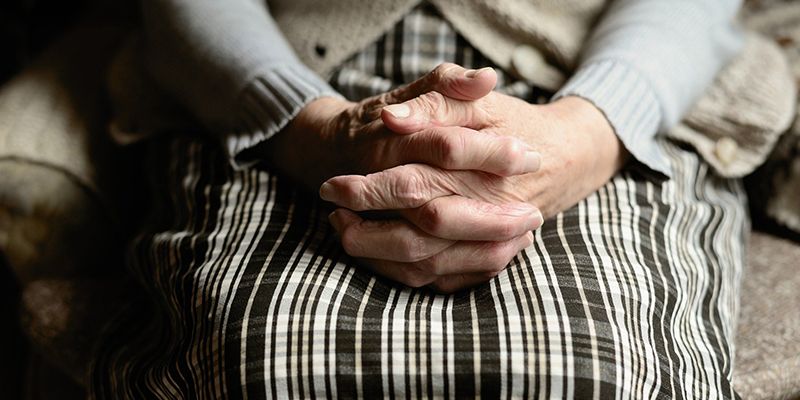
[(531, 66), (320, 50), (725, 149)]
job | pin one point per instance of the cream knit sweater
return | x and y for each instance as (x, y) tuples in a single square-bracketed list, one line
[(246, 69)]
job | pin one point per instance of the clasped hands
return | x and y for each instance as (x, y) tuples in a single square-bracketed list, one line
[(462, 174)]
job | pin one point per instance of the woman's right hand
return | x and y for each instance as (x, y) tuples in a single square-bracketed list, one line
[(333, 136)]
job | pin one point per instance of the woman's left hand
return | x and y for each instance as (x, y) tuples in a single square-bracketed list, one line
[(439, 240), (580, 153)]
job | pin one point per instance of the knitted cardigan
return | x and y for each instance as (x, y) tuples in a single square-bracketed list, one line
[(252, 88)]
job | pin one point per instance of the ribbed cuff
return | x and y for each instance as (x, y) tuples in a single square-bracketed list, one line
[(268, 104), (629, 104)]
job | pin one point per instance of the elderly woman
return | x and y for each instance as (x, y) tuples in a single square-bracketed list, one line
[(511, 224)]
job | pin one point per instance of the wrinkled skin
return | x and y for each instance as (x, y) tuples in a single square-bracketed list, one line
[(467, 173)]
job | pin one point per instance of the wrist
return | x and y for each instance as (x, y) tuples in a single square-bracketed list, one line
[(587, 119), (582, 115), (302, 150), (319, 116)]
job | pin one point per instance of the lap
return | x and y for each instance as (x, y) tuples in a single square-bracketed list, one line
[(632, 291)]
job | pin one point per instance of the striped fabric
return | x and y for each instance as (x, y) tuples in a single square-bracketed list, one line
[(248, 294)]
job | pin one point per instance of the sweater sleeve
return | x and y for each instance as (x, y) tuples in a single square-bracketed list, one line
[(648, 61), (229, 64)]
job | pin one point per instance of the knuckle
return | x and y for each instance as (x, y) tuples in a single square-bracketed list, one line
[(370, 108), (351, 243), (362, 113), (443, 75), (411, 189), (413, 248), (440, 72), (343, 121), (511, 154), (448, 150), (385, 98), (431, 218), (433, 103)]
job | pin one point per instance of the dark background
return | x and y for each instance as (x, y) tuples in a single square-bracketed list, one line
[(26, 28)]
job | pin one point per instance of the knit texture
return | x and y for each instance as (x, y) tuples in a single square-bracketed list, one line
[(214, 58), (269, 103), (751, 120), (775, 187), (629, 104), (669, 50)]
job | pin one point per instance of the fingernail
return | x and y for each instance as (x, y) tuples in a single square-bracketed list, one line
[(538, 220), (335, 221), (471, 73), (398, 110), (529, 236), (525, 145), (326, 192), (533, 161)]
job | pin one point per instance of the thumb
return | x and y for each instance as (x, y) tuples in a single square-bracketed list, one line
[(451, 80)]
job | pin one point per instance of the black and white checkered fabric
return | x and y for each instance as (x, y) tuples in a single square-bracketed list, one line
[(630, 294)]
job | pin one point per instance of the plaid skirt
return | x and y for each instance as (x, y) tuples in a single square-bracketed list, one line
[(632, 293)]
